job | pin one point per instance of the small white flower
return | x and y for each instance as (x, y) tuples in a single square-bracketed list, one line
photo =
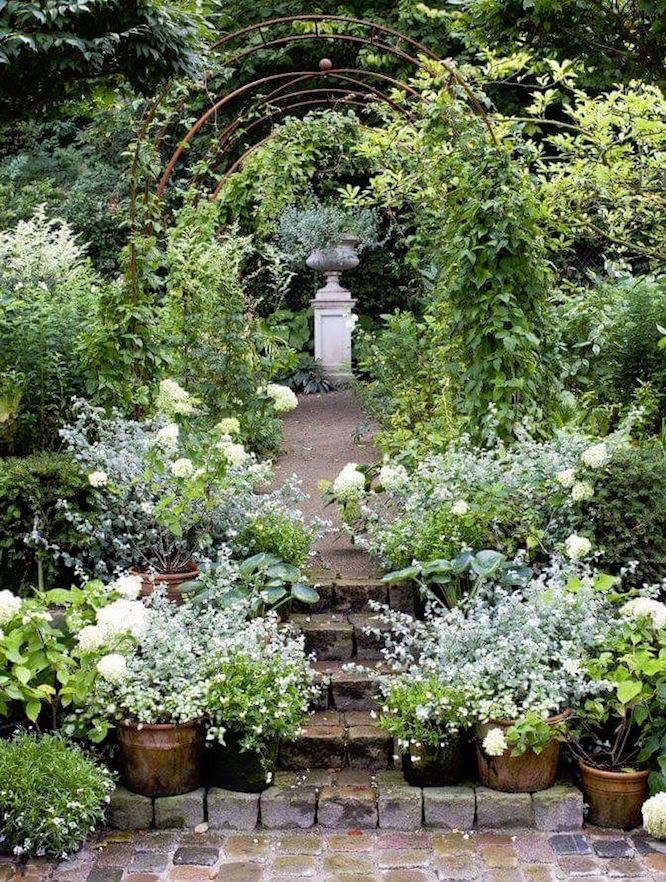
[(582, 490), (10, 604), (91, 637), (182, 468), (98, 479), (645, 606), (494, 743), (349, 484), (654, 815), (566, 477), (123, 617), (596, 456), (460, 507), (127, 586), (577, 546), (284, 398), (235, 454), (173, 400), (112, 667), (393, 476), (167, 436)]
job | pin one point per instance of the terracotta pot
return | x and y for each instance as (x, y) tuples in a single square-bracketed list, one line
[(435, 766), (527, 773), (163, 759), (173, 582), (615, 798), (243, 770)]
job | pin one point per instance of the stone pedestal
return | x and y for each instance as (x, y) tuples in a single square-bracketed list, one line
[(333, 323)]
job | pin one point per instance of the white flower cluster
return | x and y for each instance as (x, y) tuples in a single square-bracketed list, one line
[(654, 815), (577, 546), (392, 476), (349, 484), (228, 426), (112, 667), (461, 507), (494, 744), (284, 398), (596, 456), (167, 436), (182, 468), (98, 478), (127, 586), (653, 610), (10, 604), (235, 454), (119, 619), (172, 400), (566, 477), (582, 491)]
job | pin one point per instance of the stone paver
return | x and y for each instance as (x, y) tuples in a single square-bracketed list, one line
[(356, 856)]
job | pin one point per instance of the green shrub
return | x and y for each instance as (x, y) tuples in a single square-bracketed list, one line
[(52, 796), (628, 513), (30, 488), (275, 533)]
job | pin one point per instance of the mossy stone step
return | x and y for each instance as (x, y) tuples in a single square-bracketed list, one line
[(334, 740)]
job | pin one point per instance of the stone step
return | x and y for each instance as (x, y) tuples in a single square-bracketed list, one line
[(354, 595), (335, 740), (341, 636), (346, 688), (356, 799)]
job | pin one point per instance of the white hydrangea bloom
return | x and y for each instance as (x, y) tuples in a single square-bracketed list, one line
[(173, 400), (235, 454), (581, 491), (123, 617), (10, 604), (91, 637), (461, 507), (98, 479), (566, 477), (654, 815), (393, 476), (167, 437), (349, 484), (645, 606), (596, 456), (577, 546), (182, 468), (112, 667), (284, 398), (228, 426), (494, 744), (127, 586)]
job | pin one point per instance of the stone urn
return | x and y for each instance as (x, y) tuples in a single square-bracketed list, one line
[(332, 306)]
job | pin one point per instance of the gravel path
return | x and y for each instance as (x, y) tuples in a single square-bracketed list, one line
[(322, 435)]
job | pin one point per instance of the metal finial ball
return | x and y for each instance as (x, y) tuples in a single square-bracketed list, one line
[(325, 64)]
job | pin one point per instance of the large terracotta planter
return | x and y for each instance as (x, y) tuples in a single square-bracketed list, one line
[(434, 766), (615, 798), (163, 759), (173, 581), (527, 773), (243, 770)]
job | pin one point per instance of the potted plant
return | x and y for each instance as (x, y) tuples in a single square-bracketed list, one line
[(326, 235), (259, 693), (426, 719), (620, 730), (143, 669), (510, 662)]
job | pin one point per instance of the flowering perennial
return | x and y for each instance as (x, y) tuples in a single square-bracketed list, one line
[(349, 484), (284, 398)]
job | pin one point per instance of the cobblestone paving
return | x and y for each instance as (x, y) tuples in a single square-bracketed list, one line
[(355, 856)]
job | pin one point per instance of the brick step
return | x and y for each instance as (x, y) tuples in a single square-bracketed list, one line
[(348, 690), (355, 799), (342, 636), (353, 595), (334, 740)]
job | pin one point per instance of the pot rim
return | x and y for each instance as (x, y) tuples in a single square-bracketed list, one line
[(613, 776), (131, 724), (556, 718), (158, 576)]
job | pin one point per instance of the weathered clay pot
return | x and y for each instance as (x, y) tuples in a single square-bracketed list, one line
[(435, 766), (173, 582), (244, 771), (527, 773), (163, 759), (615, 798)]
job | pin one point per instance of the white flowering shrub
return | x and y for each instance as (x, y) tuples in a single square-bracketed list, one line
[(51, 796), (501, 654), (164, 495), (654, 815), (283, 398), (534, 498)]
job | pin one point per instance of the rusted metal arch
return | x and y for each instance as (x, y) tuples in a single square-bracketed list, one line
[(241, 90), (343, 96)]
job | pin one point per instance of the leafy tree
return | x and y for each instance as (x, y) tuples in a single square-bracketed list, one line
[(50, 49)]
